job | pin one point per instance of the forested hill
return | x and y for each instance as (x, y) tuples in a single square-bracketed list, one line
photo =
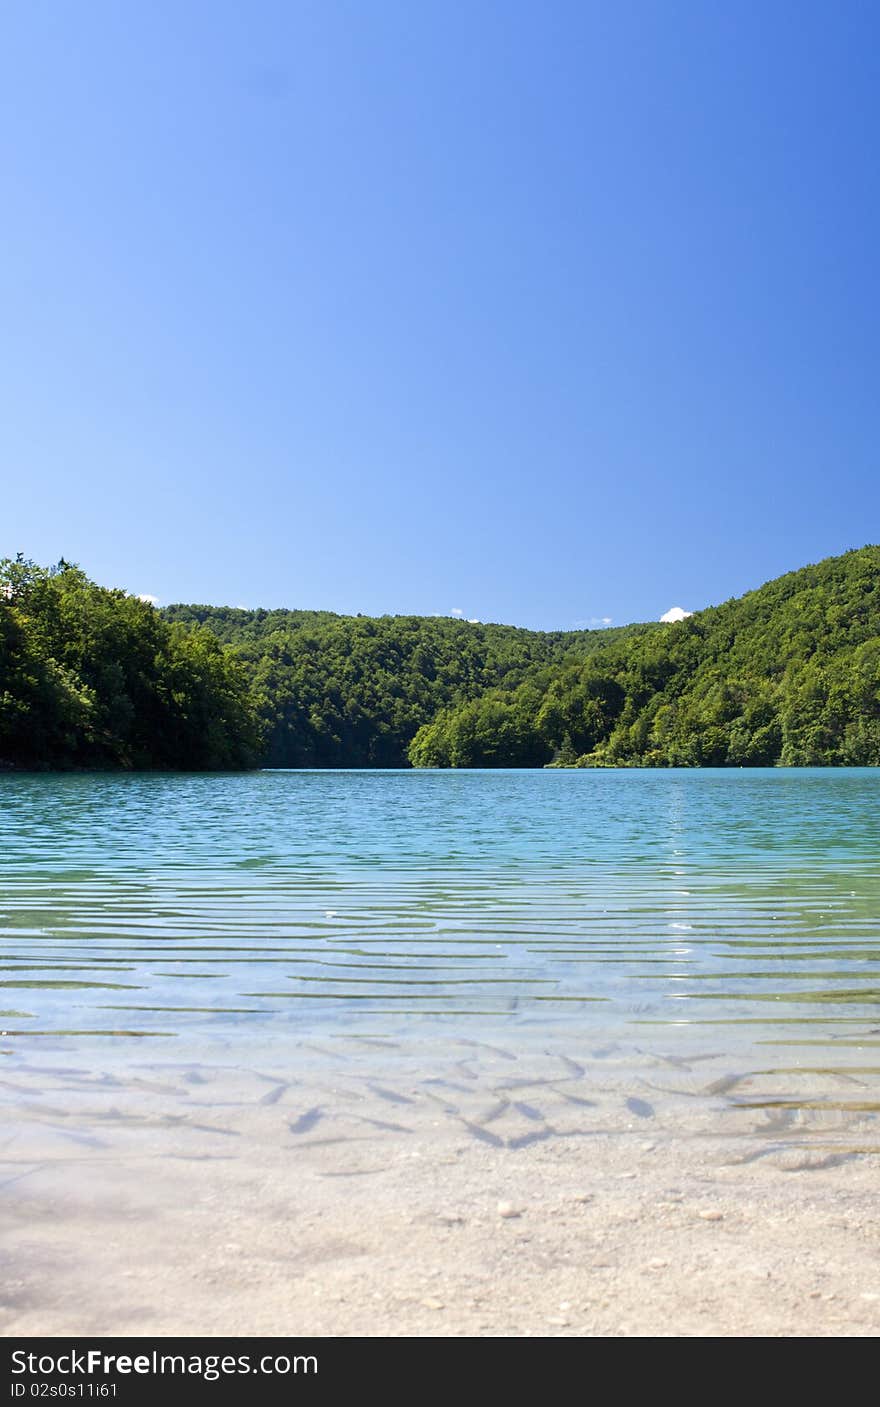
[(96, 678), (788, 674), (352, 691)]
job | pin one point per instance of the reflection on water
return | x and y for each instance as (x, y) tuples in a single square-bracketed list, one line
[(636, 942)]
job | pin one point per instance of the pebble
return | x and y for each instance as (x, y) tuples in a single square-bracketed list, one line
[(710, 1214), (508, 1210), (432, 1304), (656, 1264)]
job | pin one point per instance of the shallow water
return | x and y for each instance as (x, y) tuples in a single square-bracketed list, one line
[(626, 918), (162, 903), (203, 975)]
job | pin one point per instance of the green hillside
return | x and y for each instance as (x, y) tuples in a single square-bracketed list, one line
[(352, 691), (788, 674), (96, 678)]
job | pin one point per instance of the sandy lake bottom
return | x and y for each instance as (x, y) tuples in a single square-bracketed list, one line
[(608, 1190)]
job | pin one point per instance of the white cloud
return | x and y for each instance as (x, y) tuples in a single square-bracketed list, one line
[(673, 614), (457, 612), (150, 600), (592, 623)]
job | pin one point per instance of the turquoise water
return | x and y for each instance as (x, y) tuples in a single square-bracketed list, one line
[(248, 1019), (154, 905), (650, 916)]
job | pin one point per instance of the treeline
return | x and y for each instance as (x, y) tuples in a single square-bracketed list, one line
[(353, 691), (97, 678), (788, 674)]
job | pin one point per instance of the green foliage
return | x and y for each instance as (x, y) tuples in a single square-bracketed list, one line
[(489, 732), (788, 674), (352, 691), (96, 678)]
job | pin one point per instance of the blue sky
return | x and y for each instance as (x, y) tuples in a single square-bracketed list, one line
[(543, 312)]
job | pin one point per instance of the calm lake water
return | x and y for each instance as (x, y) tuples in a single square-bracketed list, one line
[(261, 1031), (647, 920)]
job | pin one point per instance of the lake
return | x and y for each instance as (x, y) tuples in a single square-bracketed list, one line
[(199, 966)]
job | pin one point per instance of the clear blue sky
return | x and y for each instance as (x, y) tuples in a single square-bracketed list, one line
[(546, 312)]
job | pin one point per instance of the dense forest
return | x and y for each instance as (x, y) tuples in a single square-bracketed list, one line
[(353, 691), (788, 674), (96, 678)]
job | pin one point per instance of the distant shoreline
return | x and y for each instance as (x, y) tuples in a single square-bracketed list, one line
[(786, 675)]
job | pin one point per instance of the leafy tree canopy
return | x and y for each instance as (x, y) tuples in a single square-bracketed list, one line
[(787, 674), (96, 678)]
